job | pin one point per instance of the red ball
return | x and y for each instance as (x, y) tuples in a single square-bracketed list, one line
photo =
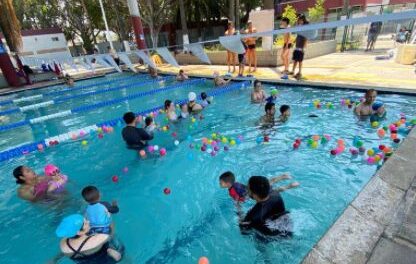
[(333, 152), (174, 134), (298, 140), (266, 139), (295, 145), (166, 191), (318, 106), (114, 178), (381, 147)]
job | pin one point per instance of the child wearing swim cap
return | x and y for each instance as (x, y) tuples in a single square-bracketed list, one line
[(379, 112), (273, 96), (98, 213), (57, 179)]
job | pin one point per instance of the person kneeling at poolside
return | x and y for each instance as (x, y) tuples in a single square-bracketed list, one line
[(181, 76), (238, 191), (81, 247), (193, 106), (135, 138), (379, 112), (218, 81), (268, 216), (98, 213)]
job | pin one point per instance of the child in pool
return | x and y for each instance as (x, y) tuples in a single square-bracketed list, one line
[(56, 179), (205, 101), (184, 111), (379, 112), (98, 212), (238, 191), (284, 113), (272, 98), (149, 125)]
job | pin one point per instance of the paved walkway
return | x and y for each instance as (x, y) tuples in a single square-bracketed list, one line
[(352, 68)]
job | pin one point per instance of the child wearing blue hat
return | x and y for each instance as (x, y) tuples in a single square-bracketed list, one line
[(379, 112)]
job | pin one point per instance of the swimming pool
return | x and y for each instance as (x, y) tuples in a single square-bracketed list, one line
[(197, 218)]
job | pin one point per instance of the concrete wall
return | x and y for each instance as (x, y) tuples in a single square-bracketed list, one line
[(264, 58)]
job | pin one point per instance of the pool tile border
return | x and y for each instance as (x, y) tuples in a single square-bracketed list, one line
[(371, 215)]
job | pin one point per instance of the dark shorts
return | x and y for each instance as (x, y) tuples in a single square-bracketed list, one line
[(241, 58), (298, 55), (100, 230), (287, 46), (372, 37), (253, 46)]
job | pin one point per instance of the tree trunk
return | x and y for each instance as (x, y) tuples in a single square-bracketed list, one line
[(268, 4), (232, 11), (184, 27), (237, 14)]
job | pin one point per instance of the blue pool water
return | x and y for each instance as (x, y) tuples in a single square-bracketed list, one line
[(197, 218)]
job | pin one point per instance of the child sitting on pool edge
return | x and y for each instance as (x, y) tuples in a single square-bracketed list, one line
[(98, 213), (379, 112), (284, 113), (238, 191)]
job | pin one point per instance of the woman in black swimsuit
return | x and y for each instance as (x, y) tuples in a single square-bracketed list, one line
[(83, 248)]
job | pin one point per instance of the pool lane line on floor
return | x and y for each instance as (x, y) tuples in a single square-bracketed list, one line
[(69, 89), (31, 147), (85, 108), (76, 96)]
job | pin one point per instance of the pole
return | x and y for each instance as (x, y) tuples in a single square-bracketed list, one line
[(237, 14), (106, 25), (137, 23), (185, 36)]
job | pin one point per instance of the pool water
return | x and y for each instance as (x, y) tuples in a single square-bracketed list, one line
[(198, 218)]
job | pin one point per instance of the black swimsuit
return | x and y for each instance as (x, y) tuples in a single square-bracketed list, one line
[(77, 252)]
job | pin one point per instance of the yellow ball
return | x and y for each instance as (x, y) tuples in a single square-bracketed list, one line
[(224, 140), (209, 141), (377, 158), (99, 130), (84, 142), (193, 120), (164, 128), (374, 124), (314, 144), (370, 152), (232, 142), (214, 136), (348, 101)]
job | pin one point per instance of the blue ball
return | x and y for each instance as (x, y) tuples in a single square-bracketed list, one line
[(259, 140)]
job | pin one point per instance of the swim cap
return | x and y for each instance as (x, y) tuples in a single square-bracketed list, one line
[(274, 91), (50, 169), (191, 96), (377, 105), (70, 226)]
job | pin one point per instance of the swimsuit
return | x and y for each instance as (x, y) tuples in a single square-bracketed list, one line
[(99, 257), (238, 192)]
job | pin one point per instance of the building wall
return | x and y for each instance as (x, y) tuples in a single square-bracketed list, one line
[(41, 44)]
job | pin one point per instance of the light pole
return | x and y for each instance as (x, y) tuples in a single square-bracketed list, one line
[(106, 25)]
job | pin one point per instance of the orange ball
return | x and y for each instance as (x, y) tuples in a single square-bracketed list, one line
[(316, 137), (203, 260), (142, 153), (386, 150), (393, 136), (341, 142)]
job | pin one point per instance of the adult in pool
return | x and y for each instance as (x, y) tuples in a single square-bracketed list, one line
[(170, 111), (83, 248), (268, 118), (135, 138), (258, 95), (33, 187), (268, 216), (193, 106), (365, 108)]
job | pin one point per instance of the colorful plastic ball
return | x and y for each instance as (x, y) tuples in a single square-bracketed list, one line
[(125, 169), (114, 178), (162, 152), (392, 127), (354, 151), (381, 147), (386, 150), (295, 145), (203, 260), (232, 142), (142, 153), (396, 140), (333, 152), (216, 148), (151, 149), (374, 124), (209, 151), (393, 136), (214, 135), (40, 147), (266, 139), (166, 191), (110, 129), (314, 145), (381, 132), (377, 158), (203, 148), (324, 140), (193, 120), (174, 134), (327, 137), (156, 147), (84, 142), (226, 148), (176, 142), (204, 140), (316, 137), (100, 135), (310, 141), (340, 142), (340, 149), (298, 140), (224, 140), (370, 152), (213, 153), (258, 140), (361, 149), (371, 160)]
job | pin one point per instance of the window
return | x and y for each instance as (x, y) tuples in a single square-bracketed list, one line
[(55, 39)]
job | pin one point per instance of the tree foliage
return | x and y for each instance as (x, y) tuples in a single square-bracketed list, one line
[(317, 12), (290, 13)]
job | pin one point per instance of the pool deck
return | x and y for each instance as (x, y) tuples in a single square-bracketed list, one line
[(379, 226)]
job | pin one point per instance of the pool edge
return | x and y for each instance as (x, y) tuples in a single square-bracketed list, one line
[(373, 214)]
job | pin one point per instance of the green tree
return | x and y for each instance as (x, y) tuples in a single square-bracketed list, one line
[(317, 12), (290, 13)]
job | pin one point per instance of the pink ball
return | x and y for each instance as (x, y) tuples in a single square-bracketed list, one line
[(162, 152), (151, 149), (100, 135), (216, 148), (40, 147), (125, 169), (82, 133), (371, 160), (214, 143), (213, 153)]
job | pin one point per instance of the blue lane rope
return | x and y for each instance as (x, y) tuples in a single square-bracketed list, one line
[(62, 91), (32, 147), (85, 108), (70, 97)]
